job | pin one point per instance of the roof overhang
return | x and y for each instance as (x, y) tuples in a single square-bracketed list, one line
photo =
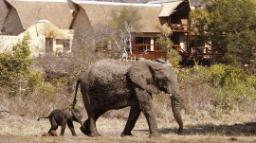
[(169, 8)]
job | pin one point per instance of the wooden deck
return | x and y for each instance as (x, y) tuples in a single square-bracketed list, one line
[(152, 55), (179, 27)]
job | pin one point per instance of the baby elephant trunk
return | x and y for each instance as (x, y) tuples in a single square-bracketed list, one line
[(175, 102)]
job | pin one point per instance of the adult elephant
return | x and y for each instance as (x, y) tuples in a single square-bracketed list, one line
[(110, 84)]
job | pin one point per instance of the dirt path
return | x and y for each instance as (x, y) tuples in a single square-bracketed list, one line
[(111, 139), (15, 129)]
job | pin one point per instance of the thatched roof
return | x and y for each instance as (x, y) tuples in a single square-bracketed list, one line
[(30, 12), (3, 13), (59, 12), (101, 13), (162, 1), (47, 29), (169, 8)]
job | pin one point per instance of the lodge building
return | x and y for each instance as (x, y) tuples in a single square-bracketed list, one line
[(64, 25)]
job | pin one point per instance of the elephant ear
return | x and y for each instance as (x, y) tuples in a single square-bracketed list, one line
[(141, 75)]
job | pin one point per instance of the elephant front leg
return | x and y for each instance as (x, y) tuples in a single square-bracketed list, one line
[(175, 101), (146, 106), (71, 127), (151, 123), (133, 117)]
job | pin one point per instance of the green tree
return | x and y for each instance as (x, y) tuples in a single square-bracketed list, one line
[(14, 66), (229, 26), (21, 55), (164, 41)]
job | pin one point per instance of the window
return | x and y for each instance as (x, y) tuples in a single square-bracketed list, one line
[(65, 43), (142, 43), (48, 45)]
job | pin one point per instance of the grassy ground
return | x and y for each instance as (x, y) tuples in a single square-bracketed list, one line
[(237, 128)]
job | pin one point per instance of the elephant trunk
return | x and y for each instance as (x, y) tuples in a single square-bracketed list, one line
[(175, 102)]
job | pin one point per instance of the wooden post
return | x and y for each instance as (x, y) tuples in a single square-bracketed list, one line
[(152, 44)]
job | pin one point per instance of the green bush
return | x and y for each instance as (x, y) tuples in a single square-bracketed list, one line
[(18, 76), (232, 86), (46, 89), (14, 66), (174, 57)]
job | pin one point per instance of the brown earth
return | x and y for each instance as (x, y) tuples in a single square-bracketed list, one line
[(238, 129)]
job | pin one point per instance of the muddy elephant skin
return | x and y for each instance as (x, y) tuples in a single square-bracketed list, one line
[(109, 84)]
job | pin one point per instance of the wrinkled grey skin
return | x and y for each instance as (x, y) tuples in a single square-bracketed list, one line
[(108, 85), (62, 118)]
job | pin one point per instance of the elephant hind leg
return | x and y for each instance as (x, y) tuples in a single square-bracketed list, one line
[(89, 127), (54, 127), (133, 117), (145, 103)]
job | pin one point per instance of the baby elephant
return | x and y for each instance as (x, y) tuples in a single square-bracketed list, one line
[(61, 118)]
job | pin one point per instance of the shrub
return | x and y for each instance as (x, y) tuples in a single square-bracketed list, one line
[(15, 65), (26, 84), (174, 57), (226, 88)]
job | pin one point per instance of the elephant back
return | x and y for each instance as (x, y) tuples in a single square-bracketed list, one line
[(107, 70)]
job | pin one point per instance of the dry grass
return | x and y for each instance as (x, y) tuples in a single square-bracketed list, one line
[(202, 120), (14, 128), (33, 105)]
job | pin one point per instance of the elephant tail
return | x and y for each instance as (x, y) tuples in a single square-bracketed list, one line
[(42, 118), (76, 88), (175, 102)]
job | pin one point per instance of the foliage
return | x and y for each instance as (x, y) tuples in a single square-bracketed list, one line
[(23, 88), (230, 27), (16, 74), (166, 44), (174, 57), (164, 39), (229, 85), (16, 64)]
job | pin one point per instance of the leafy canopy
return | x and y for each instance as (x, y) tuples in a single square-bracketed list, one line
[(16, 63), (229, 26), (164, 41)]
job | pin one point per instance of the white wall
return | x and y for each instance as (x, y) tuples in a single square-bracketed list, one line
[(37, 45)]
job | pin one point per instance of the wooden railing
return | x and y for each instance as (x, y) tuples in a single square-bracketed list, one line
[(207, 54), (144, 47), (148, 54), (210, 55), (179, 27)]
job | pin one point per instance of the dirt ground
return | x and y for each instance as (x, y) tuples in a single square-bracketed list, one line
[(238, 129)]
